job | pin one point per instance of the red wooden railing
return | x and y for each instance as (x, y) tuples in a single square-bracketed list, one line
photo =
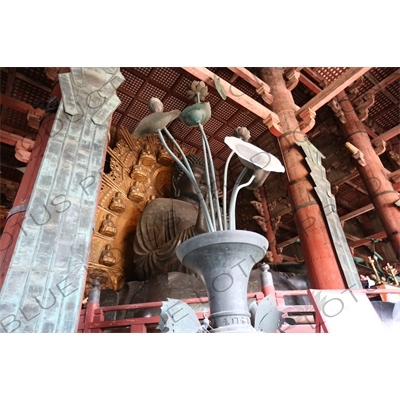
[(92, 318)]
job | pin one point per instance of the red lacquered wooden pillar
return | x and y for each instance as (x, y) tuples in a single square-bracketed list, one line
[(373, 174), (318, 251)]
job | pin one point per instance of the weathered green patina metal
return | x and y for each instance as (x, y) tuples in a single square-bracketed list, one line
[(44, 285), (323, 189)]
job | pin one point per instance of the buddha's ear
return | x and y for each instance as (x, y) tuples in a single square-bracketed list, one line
[(175, 189)]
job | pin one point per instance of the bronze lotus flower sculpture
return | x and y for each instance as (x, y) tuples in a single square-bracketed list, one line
[(258, 163)]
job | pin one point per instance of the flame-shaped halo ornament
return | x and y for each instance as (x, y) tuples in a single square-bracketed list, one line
[(253, 157)]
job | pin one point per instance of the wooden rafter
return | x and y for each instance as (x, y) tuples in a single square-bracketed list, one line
[(345, 217), (19, 105), (333, 89), (381, 85), (262, 88), (26, 79), (12, 139), (367, 240), (233, 93), (390, 134)]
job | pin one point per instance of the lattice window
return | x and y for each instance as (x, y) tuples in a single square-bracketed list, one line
[(36, 74), (116, 117), (131, 83), (213, 98), (150, 91), (390, 119), (129, 123), (125, 101), (242, 119), (218, 163), (330, 74), (139, 110), (223, 132), (381, 102), (17, 119), (366, 85), (212, 126), (216, 146), (257, 130), (349, 194), (172, 103), (394, 89), (3, 80), (194, 138), (144, 71), (224, 154), (182, 86), (381, 73), (225, 110), (165, 76), (28, 93), (246, 88), (223, 73), (179, 130)]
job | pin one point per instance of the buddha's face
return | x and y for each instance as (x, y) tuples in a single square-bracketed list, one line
[(184, 186)]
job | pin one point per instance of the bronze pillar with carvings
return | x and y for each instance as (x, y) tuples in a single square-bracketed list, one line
[(318, 251), (373, 174)]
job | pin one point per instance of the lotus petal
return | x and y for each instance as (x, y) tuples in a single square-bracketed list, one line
[(154, 122), (253, 157), (195, 114)]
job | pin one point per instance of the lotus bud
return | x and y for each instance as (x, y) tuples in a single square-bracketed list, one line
[(242, 133), (155, 105)]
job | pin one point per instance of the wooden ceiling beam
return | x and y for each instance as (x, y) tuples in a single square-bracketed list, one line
[(351, 237), (367, 240), (233, 93), (12, 139), (309, 84), (19, 105), (24, 78), (381, 85), (19, 132), (333, 89), (345, 217), (358, 188), (312, 74), (262, 88), (356, 213), (390, 134), (381, 113)]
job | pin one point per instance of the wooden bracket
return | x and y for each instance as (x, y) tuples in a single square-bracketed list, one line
[(394, 156), (273, 124), (22, 153), (353, 90), (335, 106), (261, 222), (307, 120), (362, 104), (379, 146), (265, 92), (34, 120), (52, 73), (292, 78), (258, 206), (356, 153)]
